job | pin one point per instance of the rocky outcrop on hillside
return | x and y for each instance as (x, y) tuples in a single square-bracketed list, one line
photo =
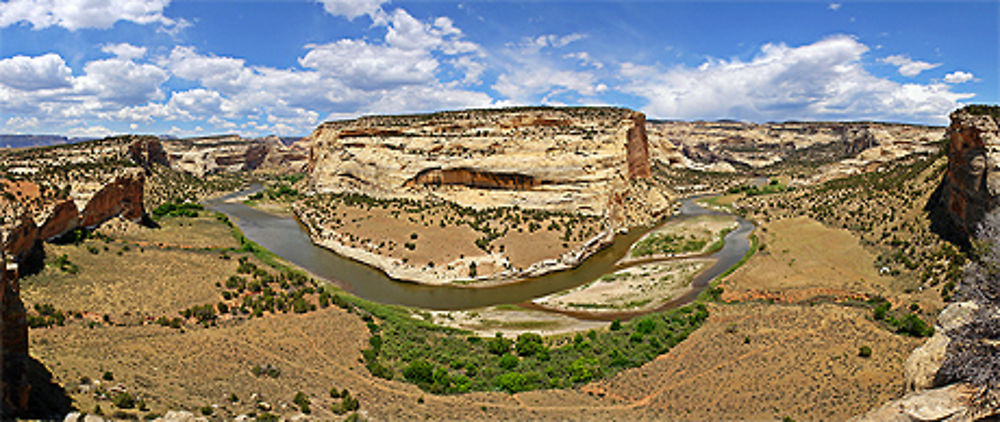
[(955, 375), (847, 147), (231, 153), (61, 189), (972, 183), (563, 159)]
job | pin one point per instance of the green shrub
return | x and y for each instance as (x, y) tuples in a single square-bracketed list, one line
[(865, 351), (508, 362)]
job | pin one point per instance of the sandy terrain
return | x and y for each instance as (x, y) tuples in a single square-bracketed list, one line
[(511, 320), (635, 288)]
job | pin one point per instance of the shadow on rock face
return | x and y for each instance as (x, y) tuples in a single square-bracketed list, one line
[(47, 400), (942, 223)]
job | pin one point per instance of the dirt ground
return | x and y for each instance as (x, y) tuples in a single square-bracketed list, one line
[(442, 235), (801, 259), (705, 229), (644, 286), (192, 233), (800, 362), (128, 279)]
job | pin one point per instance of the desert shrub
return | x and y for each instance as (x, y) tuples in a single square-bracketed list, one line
[(508, 362), (865, 351), (123, 400), (302, 401), (529, 344)]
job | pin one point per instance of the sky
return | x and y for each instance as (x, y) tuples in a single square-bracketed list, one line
[(91, 68)]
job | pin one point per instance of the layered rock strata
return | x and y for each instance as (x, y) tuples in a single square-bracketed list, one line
[(563, 159), (972, 183), (201, 156)]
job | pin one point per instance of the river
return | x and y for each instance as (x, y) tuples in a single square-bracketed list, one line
[(284, 236)]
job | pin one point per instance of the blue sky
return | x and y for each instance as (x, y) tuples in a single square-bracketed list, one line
[(99, 67)]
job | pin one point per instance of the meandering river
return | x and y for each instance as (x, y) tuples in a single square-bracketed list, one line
[(284, 236)]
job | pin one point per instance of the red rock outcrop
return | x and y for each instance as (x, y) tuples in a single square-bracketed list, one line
[(146, 151), (971, 185), (473, 178), (123, 196), (14, 385), (20, 238), (638, 148), (61, 217)]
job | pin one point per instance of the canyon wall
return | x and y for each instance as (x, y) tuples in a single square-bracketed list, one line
[(566, 159), (972, 182), (231, 153), (725, 146)]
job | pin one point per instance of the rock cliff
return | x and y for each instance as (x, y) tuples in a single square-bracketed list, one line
[(14, 386), (972, 183), (725, 146), (563, 159), (201, 156)]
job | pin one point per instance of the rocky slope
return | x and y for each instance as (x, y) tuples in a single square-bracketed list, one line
[(952, 375), (557, 159), (725, 146)]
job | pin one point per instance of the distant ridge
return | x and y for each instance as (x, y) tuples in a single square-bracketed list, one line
[(24, 141)]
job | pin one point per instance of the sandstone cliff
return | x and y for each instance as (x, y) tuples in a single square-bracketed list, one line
[(231, 153), (724, 146), (565, 159), (972, 182)]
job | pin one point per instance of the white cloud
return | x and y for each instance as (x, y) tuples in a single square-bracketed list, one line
[(78, 14), (369, 66), (835, 6), (351, 9), (124, 51), (585, 59), (907, 66), (551, 40), (406, 32), (24, 73), (526, 84), (824, 80), (123, 81), (958, 77)]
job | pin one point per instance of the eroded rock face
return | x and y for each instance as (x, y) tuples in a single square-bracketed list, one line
[(123, 196), (972, 182), (14, 386), (201, 156), (146, 151), (61, 217), (565, 159)]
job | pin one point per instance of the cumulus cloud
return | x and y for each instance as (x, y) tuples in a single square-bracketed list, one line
[(823, 80), (351, 9), (834, 6), (24, 73), (124, 51), (907, 66), (123, 81), (532, 72), (958, 77), (368, 66), (78, 14)]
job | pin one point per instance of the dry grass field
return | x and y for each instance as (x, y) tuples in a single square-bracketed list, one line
[(800, 259), (800, 361)]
